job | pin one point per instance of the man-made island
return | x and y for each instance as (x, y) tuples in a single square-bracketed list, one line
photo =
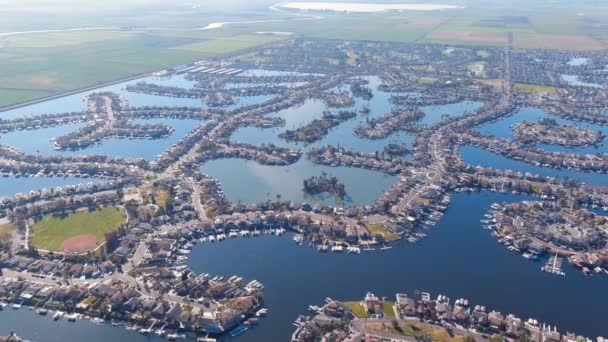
[(419, 317)]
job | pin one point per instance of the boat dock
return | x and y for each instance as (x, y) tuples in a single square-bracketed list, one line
[(554, 265)]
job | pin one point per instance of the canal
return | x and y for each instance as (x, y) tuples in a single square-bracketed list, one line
[(458, 258)]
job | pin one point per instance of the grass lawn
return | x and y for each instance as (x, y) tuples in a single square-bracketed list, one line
[(533, 88), (6, 231), (419, 331), (493, 83), (357, 309), (156, 195), (378, 228), (387, 308), (50, 232)]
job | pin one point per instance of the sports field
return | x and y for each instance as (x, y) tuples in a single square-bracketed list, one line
[(78, 232)]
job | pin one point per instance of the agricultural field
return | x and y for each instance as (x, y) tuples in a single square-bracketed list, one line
[(42, 64), (78, 232), (39, 65), (212, 47)]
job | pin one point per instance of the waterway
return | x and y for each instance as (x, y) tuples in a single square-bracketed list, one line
[(266, 182), (477, 156), (458, 258), (503, 129), (40, 141), (73, 103), (574, 80)]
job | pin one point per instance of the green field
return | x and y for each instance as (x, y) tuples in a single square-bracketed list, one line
[(50, 232), (6, 230), (381, 229), (418, 331), (39, 65), (356, 308), (533, 88)]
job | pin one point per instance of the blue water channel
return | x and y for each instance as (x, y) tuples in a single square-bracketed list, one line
[(458, 258), (250, 182)]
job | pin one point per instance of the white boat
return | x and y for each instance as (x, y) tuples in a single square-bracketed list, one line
[(355, 250), (173, 337), (262, 312), (97, 320)]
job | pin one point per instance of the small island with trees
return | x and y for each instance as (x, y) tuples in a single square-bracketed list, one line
[(317, 128), (318, 185)]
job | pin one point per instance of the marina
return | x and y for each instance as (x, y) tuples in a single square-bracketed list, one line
[(531, 295)]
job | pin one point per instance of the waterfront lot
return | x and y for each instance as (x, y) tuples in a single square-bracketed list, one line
[(419, 331), (84, 228), (6, 231)]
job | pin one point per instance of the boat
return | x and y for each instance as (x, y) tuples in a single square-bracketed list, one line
[(173, 337), (355, 250), (238, 330), (262, 312), (314, 309), (72, 317), (57, 316), (252, 321), (205, 339), (42, 312), (97, 320), (16, 306)]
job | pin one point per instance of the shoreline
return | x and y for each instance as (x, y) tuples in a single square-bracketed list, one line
[(70, 92)]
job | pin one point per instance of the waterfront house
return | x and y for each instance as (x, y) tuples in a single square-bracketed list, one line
[(372, 304), (132, 304)]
